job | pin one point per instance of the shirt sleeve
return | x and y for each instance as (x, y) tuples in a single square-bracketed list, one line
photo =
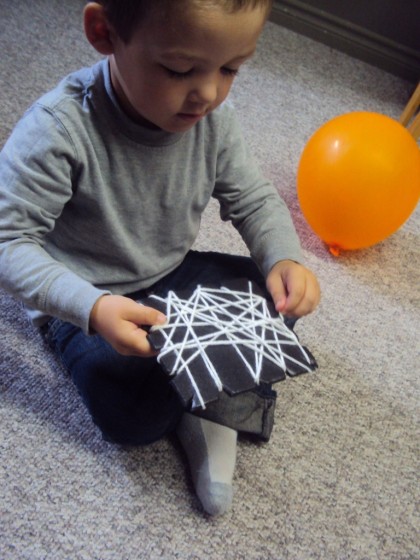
[(252, 203), (38, 168)]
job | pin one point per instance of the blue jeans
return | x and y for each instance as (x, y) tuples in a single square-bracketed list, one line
[(130, 398)]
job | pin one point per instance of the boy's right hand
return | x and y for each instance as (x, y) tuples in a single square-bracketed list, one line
[(119, 320)]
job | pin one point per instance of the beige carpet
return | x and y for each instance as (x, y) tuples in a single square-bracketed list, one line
[(339, 479)]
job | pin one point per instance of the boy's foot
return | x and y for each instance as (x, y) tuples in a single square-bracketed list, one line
[(211, 452)]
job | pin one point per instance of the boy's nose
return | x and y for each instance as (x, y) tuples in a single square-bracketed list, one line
[(205, 92)]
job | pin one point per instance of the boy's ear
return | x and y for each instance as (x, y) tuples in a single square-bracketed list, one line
[(97, 29)]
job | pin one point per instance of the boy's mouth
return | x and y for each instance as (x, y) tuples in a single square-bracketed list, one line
[(192, 117)]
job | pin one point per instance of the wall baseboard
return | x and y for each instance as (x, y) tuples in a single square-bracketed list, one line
[(352, 39)]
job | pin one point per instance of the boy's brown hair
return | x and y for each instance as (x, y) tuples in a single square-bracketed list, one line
[(126, 15)]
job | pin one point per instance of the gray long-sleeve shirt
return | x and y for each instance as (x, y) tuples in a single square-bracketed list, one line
[(93, 203)]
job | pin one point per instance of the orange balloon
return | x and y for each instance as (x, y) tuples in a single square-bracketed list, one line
[(358, 179)]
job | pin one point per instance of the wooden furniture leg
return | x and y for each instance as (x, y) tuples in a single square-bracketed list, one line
[(409, 118)]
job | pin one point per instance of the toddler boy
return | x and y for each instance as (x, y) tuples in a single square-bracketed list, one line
[(102, 186)]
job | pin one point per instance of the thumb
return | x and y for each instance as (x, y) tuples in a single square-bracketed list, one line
[(278, 293), (150, 316)]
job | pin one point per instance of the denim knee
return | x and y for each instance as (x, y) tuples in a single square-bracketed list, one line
[(129, 398)]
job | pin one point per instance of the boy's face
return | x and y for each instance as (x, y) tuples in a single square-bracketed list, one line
[(172, 73)]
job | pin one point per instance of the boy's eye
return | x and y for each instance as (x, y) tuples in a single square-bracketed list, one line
[(178, 75), (230, 72)]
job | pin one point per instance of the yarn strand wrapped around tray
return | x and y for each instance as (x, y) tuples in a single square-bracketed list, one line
[(224, 338)]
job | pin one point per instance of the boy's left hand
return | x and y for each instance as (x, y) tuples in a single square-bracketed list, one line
[(294, 288)]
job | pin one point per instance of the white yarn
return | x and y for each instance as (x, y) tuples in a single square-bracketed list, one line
[(249, 326)]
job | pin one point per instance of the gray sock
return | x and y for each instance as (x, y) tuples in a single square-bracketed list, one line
[(211, 452)]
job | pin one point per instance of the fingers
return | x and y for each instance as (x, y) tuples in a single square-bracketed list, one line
[(132, 341), (303, 296), (132, 337), (294, 289), (119, 320)]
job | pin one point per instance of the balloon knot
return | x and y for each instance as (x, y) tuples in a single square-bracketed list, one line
[(334, 250)]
